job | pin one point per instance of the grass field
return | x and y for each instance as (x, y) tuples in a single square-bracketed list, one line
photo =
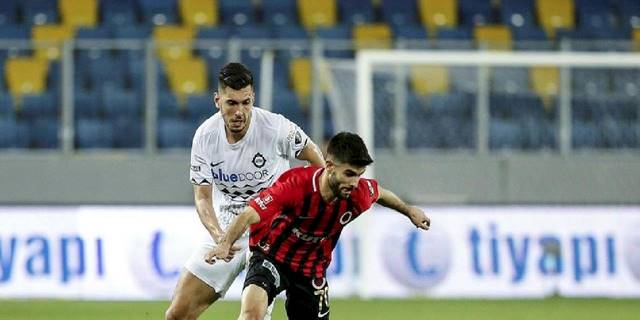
[(552, 308)]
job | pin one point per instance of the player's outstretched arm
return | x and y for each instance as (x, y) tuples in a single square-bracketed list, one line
[(204, 207), (224, 249), (311, 153), (391, 200)]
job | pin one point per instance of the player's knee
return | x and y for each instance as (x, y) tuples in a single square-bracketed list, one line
[(252, 313), (178, 313)]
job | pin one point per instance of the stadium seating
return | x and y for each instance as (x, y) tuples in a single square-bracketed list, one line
[(174, 133), (51, 38), (45, 133), (314, 14), (13, 134), (197, 13), (26, 76), (110, 89), (76, 13)]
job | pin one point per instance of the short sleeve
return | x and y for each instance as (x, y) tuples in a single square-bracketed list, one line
[(271, 201), (199, 173), (291, 139)]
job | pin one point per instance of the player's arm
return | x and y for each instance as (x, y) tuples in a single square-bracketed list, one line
[(239, 225), (391, 200), (204, 207), (311, 153)]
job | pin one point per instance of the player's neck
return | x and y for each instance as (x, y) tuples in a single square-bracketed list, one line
[(325, 191)]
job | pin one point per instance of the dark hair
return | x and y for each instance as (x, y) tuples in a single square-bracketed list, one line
[(235, 75), (346, 147)]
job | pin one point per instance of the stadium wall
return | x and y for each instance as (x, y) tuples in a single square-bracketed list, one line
[(105, 178)]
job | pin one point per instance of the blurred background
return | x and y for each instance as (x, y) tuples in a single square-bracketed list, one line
[(530, 170)]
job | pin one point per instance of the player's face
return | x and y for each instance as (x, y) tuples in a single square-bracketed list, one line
[(343, 178), (235, 106)]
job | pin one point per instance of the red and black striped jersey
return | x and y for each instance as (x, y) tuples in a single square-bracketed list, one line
[(298, 228)]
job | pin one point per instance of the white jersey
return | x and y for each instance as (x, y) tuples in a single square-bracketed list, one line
[(241, 170)]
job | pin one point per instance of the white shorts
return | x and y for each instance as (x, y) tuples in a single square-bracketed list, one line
[(221, 274)]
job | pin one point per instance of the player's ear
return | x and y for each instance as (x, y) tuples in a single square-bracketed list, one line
[(216, 99), (329, 165)]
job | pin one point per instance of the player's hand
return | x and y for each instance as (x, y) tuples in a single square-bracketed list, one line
[(419, 219), (221, 252)]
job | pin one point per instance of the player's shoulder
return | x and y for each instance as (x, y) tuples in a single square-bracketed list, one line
[(209, 128), (299, 176), (367, 190), (268, 120)]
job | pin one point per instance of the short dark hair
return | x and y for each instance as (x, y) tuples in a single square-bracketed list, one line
[(347, 147), (235, 75)]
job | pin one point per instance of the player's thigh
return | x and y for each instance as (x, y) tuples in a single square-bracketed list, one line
[(307, 299), (263, 280), (221, 274), (192, 296)]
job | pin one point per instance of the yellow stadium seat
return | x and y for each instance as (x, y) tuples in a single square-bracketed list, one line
[(77, 13), (300, 77), (174, 42), (197, 13), (372, 36), (636, 39), (26, 75), (426, 80), (50, 38), (545, 82), (493, 37), (187, 76), (317, 13), (553, 14), (438, 13)]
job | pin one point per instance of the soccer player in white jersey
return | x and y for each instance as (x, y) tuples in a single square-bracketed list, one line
[(240, 150)]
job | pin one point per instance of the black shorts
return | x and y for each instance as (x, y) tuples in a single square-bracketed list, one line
[(307, 298)]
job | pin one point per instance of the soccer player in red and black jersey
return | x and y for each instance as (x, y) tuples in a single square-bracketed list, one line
[(296, 223)]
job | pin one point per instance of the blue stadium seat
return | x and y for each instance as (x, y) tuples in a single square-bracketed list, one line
[(621, 109), (505, 134), (530, 38), (626, 82), (252, 32), (174, 133), (158, 12), (119, 104), (200, 107), (45, 133), (585, 135), (214, 33), (464, 79), (456, 105), (286, 103), (454, 38), (237, 12), (7, 109), (39, 106), (15, 32), (8, 12), (118, 12), (13, 134), (298, 44), (168, 105), (509, 80), (356, 11), (132, 32), (630, 134), (39, 12), (475, 12), (398, 13), (86, 105), (107, 71), (590, 82), (92, 133), (411, 32), (612, 133), (94, 33), (630, 13), (280, 12), (537, 133), (518, 13), (341, 32), (127, 133)]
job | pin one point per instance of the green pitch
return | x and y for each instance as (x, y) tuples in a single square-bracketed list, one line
[(553, 308)]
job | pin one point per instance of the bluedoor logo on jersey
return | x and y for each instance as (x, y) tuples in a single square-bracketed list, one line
[(417, 259), (239, 177)]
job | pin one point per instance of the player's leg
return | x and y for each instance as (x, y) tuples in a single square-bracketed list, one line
[(261, 285), (201, 284), (307, 299), (191, 298)]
